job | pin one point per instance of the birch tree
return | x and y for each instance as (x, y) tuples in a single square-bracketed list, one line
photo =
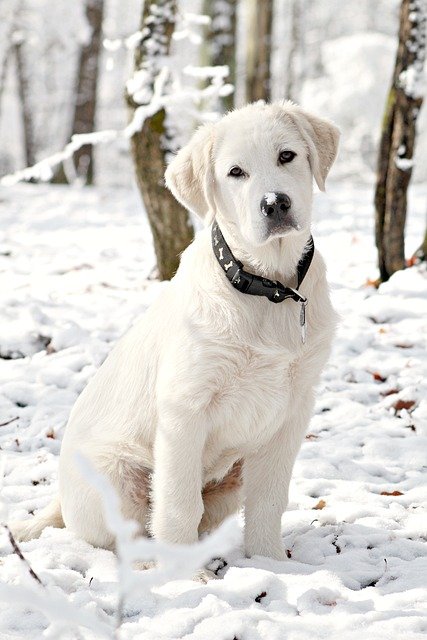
[(258, 56), (398, 138), (169, 221)]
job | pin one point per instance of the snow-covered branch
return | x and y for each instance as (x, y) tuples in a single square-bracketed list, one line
[(150, 90), (43, 170)]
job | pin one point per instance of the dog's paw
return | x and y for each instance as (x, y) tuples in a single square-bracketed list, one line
[(274, 552), (24, 530), (216, 565)]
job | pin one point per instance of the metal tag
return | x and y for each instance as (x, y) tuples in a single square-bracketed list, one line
[(303, 304)]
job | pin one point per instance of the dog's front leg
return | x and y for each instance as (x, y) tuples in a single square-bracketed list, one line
[(267, 474), (177, 483)]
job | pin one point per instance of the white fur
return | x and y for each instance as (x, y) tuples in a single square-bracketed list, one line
[(210, 376)]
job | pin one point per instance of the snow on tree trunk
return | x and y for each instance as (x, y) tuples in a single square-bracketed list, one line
[(221, 40), (258, 58), (170, 223), (86, 94), (398, 138), (24, 98)]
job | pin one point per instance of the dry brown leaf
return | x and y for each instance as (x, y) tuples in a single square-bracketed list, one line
[(377, 376), (391, 493), (389, 392), (373, 283), (403, 404), (320, 505)]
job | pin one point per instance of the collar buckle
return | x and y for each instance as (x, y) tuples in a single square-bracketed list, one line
[(241, 280)]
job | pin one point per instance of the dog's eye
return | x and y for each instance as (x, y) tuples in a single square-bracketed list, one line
[(286, 156), (236, 172)]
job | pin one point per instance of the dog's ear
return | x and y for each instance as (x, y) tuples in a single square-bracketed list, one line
[(190, 174), (321, 137)]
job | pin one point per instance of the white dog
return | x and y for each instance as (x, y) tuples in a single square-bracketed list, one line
[(203, 405)]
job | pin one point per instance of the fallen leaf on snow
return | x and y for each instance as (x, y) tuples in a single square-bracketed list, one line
[(391, 493), (403, 404), (377, 376), (369, 282), (389, 392), (320, 505)]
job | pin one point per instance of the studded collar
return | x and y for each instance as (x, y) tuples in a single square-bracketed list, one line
[(254, 285)]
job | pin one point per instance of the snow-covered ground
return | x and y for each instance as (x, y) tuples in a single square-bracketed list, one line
[(75, 268)]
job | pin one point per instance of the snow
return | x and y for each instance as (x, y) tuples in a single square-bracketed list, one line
[(405, 164), (270, 197), (413, 82), (75, 272)]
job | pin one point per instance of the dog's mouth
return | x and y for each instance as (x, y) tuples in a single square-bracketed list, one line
[(282, 227)]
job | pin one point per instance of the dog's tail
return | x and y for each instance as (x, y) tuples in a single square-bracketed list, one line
[(50, 516)]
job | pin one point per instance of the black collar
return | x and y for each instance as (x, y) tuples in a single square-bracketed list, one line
[(252, 284)]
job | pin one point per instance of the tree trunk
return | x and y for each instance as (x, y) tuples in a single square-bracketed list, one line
[(3, 75), (170, 223), (398, 140), (8, 25), (294, 45), (221, 40), (86, 95), (24, 98), (258, 58)]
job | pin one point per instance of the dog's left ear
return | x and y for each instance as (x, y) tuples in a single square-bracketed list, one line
[(190, 174), (321, 137)]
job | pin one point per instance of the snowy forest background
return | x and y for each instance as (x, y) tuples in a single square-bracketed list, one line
[(342, 60)]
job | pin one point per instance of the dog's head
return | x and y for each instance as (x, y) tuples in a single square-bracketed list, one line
[(254, 169)]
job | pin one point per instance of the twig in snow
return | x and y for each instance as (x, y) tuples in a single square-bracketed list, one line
[(21, 556), (4, 424)]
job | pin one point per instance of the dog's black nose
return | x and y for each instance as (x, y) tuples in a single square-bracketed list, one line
[(275, 204)]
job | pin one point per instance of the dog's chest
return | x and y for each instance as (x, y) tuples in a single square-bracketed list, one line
[(251, 394)]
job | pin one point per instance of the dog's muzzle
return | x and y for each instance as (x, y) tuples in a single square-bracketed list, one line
[(276, 208)]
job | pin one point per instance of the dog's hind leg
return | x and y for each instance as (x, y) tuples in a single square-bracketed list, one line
[(222, 499), (83, 510), (50, 516)]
